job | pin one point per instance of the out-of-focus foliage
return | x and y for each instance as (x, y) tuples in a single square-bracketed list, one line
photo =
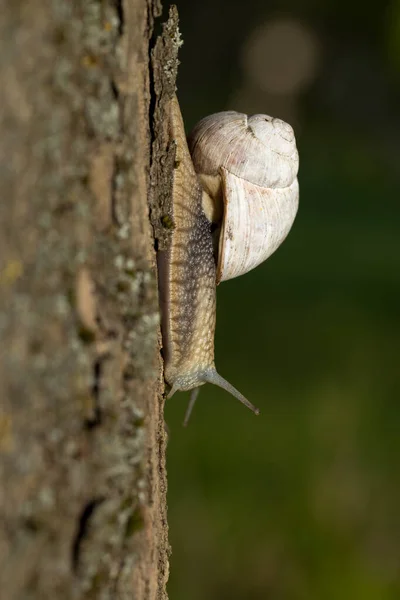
[(303, 501)]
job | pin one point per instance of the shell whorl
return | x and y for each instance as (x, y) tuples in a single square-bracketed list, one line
[(255, 162), (256, 222), (259, 149)]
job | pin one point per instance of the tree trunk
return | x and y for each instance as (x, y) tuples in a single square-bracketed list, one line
[(82, 441)]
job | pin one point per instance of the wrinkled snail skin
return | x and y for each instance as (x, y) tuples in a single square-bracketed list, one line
[(187, 280), (187, 273)]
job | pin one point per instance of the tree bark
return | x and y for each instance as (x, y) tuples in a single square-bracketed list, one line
[(82, 440)]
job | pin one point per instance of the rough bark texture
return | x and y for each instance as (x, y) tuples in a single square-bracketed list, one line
[(82, 441)]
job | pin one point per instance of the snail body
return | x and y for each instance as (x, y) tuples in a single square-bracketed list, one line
[(224, 225)]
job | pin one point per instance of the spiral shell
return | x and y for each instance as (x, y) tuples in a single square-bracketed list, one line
[(254, 162)]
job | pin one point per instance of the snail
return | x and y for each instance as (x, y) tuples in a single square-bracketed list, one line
[(234, 199)]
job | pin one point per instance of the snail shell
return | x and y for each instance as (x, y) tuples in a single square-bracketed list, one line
[(250, 165)]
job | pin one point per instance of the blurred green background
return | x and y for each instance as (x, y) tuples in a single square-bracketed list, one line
[(302, 502)]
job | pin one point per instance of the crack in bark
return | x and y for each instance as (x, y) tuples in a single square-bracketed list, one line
[(120, 12), (96, 419), (82, 530)]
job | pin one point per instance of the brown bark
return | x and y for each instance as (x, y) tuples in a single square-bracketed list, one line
[(82, 441)]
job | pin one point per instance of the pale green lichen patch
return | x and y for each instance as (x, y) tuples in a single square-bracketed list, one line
[(11, 272)]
